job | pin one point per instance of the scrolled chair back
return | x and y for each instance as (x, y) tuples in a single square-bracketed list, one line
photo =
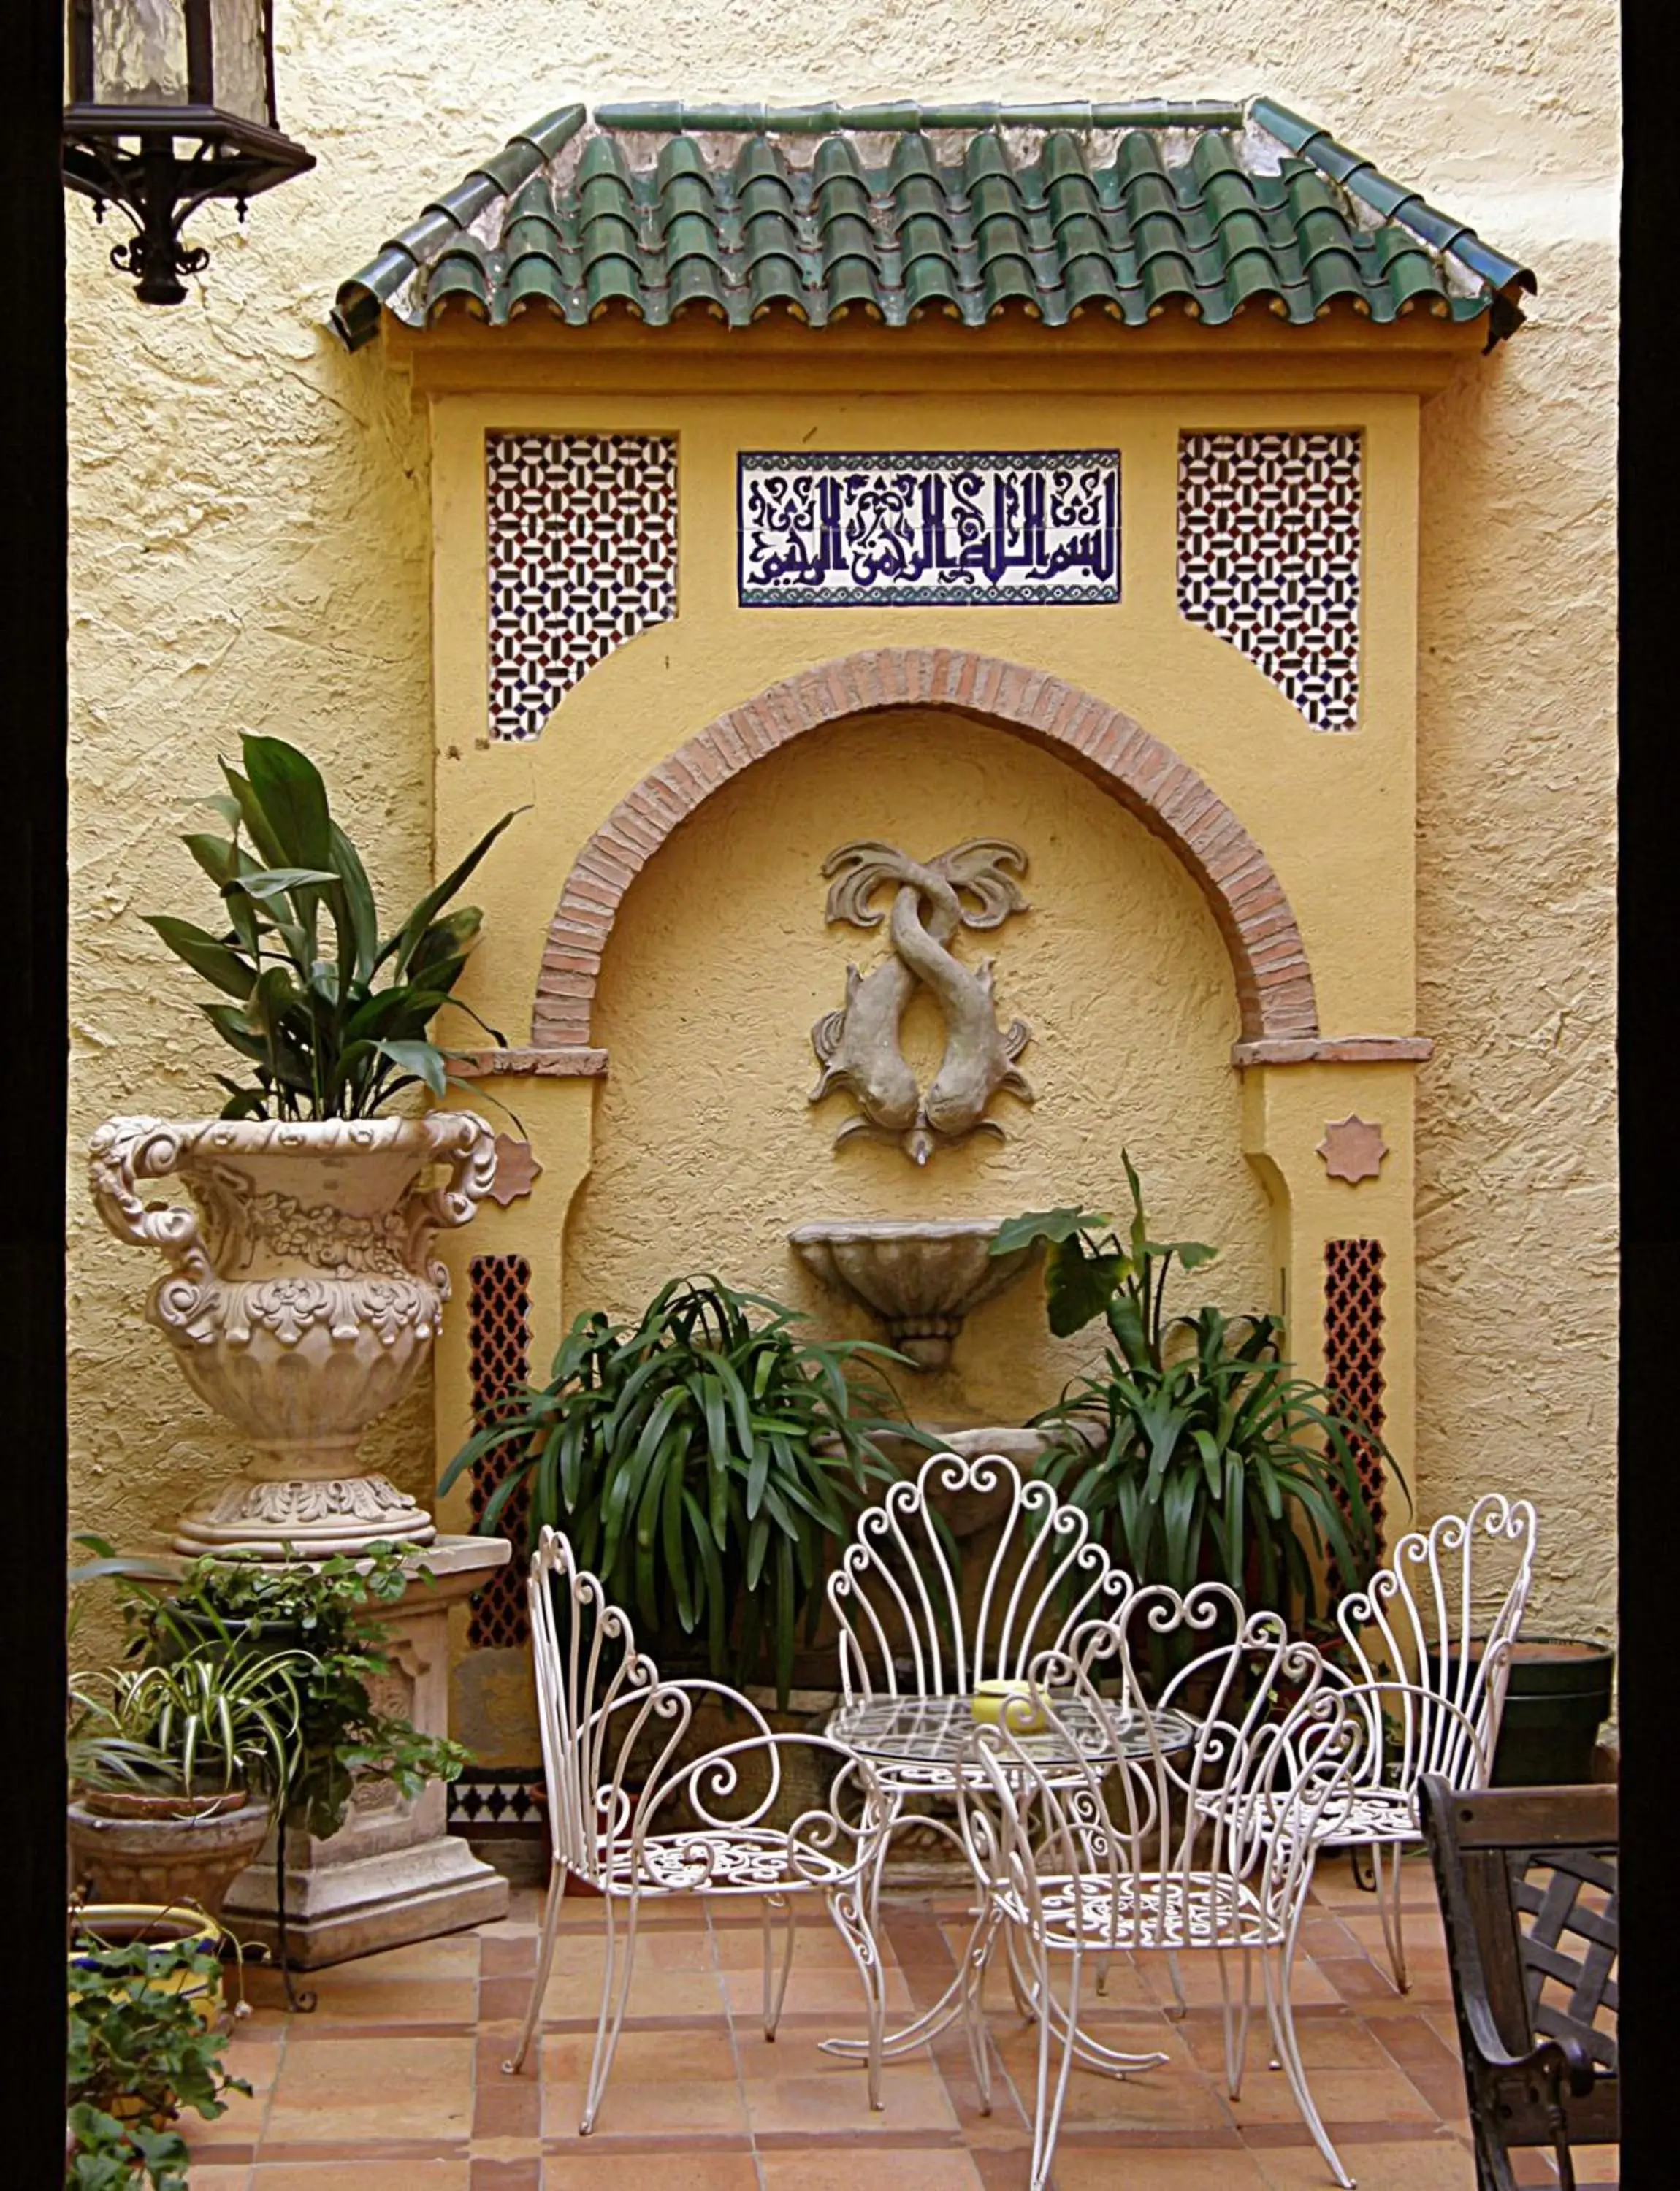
[(715, 1819), (896, 1598), (1226, 1780), (1409, 1626), (611, 1727)]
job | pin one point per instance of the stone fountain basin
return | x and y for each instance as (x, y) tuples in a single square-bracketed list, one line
[(921, 1278)]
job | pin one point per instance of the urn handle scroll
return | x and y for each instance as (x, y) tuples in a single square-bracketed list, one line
[(467, 1144), (121, 1154)]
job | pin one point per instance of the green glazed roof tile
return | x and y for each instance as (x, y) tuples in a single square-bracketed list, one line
[(969, 212)]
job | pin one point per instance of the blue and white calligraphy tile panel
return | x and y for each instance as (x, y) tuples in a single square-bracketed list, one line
[(1268, 557), (900, 530), (583, 557)]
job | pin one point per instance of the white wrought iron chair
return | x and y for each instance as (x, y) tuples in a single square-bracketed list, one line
[(1207, 1845), (897, 1602), (629, 1818), (902, 1629), (1408, 1632)]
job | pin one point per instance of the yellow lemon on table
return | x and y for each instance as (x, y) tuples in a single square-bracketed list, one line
[(1009, 1704)]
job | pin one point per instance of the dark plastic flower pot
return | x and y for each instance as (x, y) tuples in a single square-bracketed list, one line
[(1557, 1698)]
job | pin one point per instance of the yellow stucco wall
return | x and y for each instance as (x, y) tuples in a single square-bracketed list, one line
[(700, 1154), (251, 549)]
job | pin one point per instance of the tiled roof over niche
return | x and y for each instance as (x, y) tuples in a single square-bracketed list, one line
[(899, 213)]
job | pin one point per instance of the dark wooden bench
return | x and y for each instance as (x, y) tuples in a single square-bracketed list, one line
[(1527, 1878)]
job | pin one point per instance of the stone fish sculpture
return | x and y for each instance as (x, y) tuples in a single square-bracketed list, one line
[(973, 885)]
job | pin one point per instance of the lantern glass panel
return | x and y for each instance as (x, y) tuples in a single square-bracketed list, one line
[(139, 53), (241, 58)]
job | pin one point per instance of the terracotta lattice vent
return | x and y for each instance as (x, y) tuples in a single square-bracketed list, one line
[(1353, 1350), (500, 1339)]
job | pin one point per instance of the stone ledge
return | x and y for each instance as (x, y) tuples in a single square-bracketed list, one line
[(1334, 1050), (572, 1062)]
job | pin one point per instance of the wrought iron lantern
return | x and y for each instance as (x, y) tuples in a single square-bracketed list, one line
[(171, 104)]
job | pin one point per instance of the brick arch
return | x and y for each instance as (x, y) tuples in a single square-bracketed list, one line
[(1274, 982)]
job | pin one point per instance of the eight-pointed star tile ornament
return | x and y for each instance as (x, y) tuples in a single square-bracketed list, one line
[(1353, 1148), (516, 1170)]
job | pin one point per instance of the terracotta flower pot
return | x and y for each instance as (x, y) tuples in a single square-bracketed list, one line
[(301, 1299), (165, 1852)]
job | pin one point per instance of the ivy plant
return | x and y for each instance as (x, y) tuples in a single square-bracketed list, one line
[(139, 2053), (704, 1460), (322, 1035), (1195, 1448)]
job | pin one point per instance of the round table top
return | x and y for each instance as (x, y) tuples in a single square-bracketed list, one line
[(933, 1733)]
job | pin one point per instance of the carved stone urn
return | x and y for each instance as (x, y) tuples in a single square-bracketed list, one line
[(301, 1299)]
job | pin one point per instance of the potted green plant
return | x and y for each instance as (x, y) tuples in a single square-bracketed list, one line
[(703, 1460), (144, 2044), (235, 1609), (1196, 1448), (171, 1769), (316, 1728), (308, 1247)]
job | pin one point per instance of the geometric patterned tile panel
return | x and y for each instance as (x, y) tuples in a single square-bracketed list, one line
[(583, 557), (1268, 557), (499, 1340), (1354, 1320), (499, 1803), (988, 527)]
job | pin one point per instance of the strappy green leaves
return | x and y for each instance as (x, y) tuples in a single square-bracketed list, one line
[(1196, 1448), (704, 1460)]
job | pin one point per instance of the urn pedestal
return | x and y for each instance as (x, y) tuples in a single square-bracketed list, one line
[(392, 1874), (301, 1299)]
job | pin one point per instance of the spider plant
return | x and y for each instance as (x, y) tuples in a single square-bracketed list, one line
[(233, 1612), (204, 1723), (322, 1036), (702, 1460), (1196, 1448)]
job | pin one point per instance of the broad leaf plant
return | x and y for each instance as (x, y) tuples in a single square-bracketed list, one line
[(1196, 1448), (704, 1460), (332, 1018)]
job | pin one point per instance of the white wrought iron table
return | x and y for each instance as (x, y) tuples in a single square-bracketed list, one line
[(924, 1743)]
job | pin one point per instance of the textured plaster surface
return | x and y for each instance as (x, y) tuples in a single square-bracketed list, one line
[(1117, 967), (250, 550)]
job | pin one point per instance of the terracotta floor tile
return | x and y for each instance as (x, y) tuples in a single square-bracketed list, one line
[(454, 1956), (835, 2098), (363, 2175), (1174, 2096), (741, 1949), (836, 1993), (575, 1999), (498, 2172), (1144, 2168), (374, 2088), (918, 2170), (506, 2107), (631, 2107), (1598, 2164), (1420, 2164), (644, 2056), (671, 2169), (1336, 2041), (1355, 2095), (394, 2082), (346, 1996), (506, 1956)]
